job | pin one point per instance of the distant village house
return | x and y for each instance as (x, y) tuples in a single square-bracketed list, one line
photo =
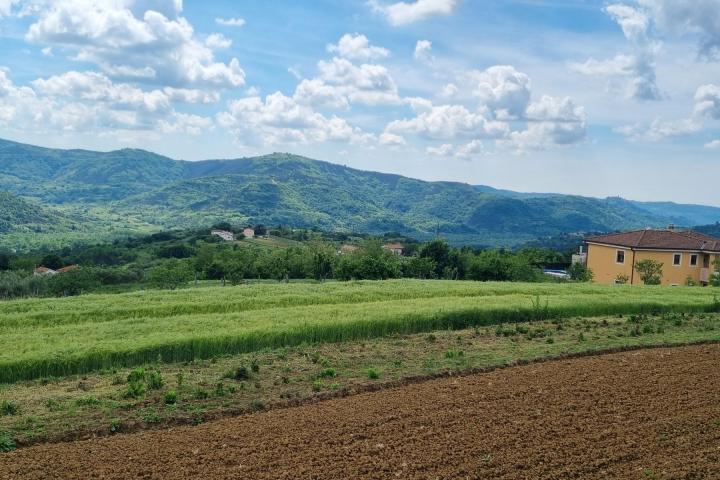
[(44, 271), (224, 234), (395, 248), (249, 233), (685, 255), (347, 249)]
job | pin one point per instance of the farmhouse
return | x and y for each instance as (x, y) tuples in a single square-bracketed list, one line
[(44, 271), (685, 255), (396, 248), (224, 234), (347, 248), (249, 233)]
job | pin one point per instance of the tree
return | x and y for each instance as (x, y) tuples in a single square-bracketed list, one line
[(439, 252), (579, 272), (4, 262), (53, 261), (171, 274), (74, 282), (260, 230), (323, 259), (650, 271)]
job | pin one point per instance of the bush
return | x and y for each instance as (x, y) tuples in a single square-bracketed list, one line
[(7, 444), (155, 381), (8, 407), (373, 374), (171, 397), (327, 372), (136, 375), (579, 272), (134, 390)]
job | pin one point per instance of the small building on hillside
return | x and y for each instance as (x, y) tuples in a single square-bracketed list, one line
[(347, 249), (43, 271), (685, 255), (396, 248), (67, 268), (249, 233), (224, 234)]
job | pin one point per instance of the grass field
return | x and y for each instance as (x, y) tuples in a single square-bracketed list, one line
[(104, 402), (56, 337)]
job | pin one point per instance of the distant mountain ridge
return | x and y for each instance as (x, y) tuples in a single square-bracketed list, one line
[(133, 189)]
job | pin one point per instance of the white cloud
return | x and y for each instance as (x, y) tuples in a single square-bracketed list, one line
[(444, 150), (357, 47), (403, 13), (185, 123), (391, 139), (217, 41), (230, 22), (660, 130), (465, 151), (280, 120), (423, 51), (715, 144), (47, 51), (698, 18), (551, 121), (707, 101), (147, 40), (502, 89), (6, 7), (341, 82), (638, 68), (450, 122), (449, 90)]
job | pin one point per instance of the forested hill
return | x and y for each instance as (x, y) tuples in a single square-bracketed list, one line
[(133, 189)]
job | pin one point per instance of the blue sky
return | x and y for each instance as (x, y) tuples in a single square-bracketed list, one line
[(584, 97)]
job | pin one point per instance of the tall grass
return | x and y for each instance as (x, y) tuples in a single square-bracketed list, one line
[(206, 322)]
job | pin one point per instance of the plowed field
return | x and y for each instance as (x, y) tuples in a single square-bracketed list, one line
[(644, 414)]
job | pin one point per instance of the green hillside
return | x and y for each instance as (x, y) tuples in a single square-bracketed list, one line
[(131, 190)]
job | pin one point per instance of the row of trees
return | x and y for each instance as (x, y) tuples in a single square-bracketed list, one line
[(174, 264)]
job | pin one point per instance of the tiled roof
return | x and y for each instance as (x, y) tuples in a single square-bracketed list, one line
[(660, 239)]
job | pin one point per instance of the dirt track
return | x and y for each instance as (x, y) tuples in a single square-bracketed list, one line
[(643, 414)]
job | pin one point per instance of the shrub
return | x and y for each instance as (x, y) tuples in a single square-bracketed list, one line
[(136, 376), (171, 397), (200, 393), (8, 407), (327, 372), (257, 404), (134, 390), (317, 386), (87, 402), (7, 444), (255, 366), (373, 374), (155, 381)]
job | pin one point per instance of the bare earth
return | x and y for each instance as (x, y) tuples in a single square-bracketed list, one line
[(642, 415)]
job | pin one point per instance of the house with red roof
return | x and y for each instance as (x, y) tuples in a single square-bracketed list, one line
[(685, 255)]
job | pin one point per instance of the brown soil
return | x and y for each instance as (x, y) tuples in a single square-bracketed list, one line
[(643, 414)]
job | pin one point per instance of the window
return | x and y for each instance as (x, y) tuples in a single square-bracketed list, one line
[(677, 259), (620, 258), (693, 260)]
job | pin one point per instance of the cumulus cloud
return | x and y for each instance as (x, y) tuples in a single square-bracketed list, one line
[(444, 150), (448, 122), (660, 129), (230, 22), (341, 82), (403, 13), (142, 39), (638, 68), (449, 90), (423, 51), (700, 18), (551, 121), (279, 119), (6, 7), (357, 47), (391, 139), (465, 151), (217, 40), (715, 144), (504, 90), (707, 101)]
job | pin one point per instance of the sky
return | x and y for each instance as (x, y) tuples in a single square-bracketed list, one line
[(583, 97)]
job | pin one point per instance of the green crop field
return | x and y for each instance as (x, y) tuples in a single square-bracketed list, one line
[(56, 337)]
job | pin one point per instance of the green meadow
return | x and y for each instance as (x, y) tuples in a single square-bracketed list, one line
[(57, 337)]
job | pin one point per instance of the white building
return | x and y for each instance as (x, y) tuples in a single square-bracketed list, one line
[(224, 234)]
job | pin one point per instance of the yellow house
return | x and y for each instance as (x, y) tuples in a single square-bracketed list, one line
[(684, 255)]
